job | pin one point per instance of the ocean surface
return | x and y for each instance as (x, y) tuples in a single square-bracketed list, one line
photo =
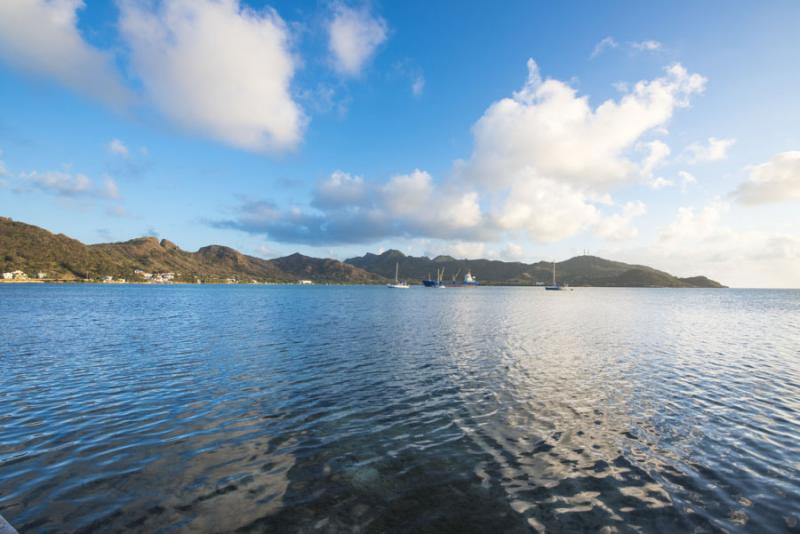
[(343, 409)]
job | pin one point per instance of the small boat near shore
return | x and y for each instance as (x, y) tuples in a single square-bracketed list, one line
[(555, 286), (397, 283)]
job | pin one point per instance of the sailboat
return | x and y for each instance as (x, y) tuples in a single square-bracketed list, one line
[(397, 283), (555, 286)]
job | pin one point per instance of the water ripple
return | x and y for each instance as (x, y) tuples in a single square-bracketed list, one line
[(170, 409)]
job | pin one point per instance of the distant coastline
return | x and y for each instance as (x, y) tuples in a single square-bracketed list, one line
[(33, 254)]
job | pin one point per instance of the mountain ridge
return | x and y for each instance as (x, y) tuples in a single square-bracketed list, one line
[(33, 249), (577, 271)]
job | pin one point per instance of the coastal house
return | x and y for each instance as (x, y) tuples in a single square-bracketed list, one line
[(7, 276), (161, 278), (305, 282), (143, 274), (41, 275), (15, 275)]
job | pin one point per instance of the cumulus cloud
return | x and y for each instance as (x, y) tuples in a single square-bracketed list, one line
[(703, 240), (548, 129), (353, 37), (777, 180), (604, 44), (42, 37), (66, 184), (544, 161), (694, 224), (619, 227), (512, 252), (545, 155), (115, 146), (701, 237), (340, 189), (657, 152), (713, 150), (347, 209), (216, 68)]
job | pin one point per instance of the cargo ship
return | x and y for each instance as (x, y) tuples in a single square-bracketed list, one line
[(469, 280), (435, 283)]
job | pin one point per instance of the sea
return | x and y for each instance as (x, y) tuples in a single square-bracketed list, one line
[(192, 408)]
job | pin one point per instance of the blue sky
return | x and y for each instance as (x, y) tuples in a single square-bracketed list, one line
[(516, 132)]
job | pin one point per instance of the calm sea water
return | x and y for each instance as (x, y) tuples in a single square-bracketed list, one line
[(327, 409)]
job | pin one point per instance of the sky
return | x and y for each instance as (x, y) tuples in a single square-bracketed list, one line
[(664, 134)]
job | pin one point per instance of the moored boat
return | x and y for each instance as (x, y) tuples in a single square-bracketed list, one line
[(435, 283), (397, 283), (555, 286)]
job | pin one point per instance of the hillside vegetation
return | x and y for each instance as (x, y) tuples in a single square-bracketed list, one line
[(577, 271), (32, 249)]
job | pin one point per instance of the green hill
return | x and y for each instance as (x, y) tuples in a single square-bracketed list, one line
[(577, 271), (32, 249)]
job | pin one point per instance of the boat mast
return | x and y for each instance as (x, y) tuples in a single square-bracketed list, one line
[(554, 273), (396, 271)]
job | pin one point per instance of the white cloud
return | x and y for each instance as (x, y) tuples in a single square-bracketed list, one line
[(657, 153), (42, 37), (660, 183), (691, 224), (687, 179), (701, 238), (217, 68), (714, 150), (418, 85), (543, 160), (618, 227), (115, 146), (512, 252), (545, 155), (777, 180), (347, 209), (646, 46), (547, 128), (463, 249), (340, 189), (68, 184), (353, 37), (604, 44), (109, 188), (547, 210)]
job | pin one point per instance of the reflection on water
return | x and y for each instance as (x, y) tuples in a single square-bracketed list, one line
[(327, 409)]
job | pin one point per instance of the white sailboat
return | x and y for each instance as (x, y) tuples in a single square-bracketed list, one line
[(397, 283), (554, 286)]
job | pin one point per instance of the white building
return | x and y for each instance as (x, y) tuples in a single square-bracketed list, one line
[(305, 282), (7, 276)]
